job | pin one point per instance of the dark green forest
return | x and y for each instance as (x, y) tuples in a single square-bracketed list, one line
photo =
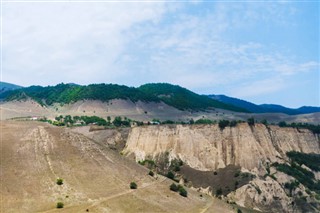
[(172, 95), (182, 98)]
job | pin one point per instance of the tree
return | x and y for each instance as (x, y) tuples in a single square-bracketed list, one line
[(170, 175), (191, 121), (218, 192), (182, 191), (223, 124), (60, 205), (264, 122), (250, 121), (174, 187), (117, 121), (151, 173), (282, 124), (59, 181), (133, 185)]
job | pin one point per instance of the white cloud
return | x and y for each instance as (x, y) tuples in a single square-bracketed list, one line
[(75, 40), (135, 43)]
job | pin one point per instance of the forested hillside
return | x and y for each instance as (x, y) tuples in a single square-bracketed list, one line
[(172, 95)]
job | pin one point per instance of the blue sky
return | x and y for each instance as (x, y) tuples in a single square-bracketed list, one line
[(264, 52)]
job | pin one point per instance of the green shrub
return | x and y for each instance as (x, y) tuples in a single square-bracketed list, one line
[(151, 173), (133, 185), (204, 121), (174, 187), (182, 191), (233, 123), (310, 160), (170, 175), (218, 192), (60, 205), (250, 121), (223, 124), (59, 181), (291, 186)]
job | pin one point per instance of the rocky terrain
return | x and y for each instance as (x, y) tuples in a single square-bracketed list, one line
[(254, 149)]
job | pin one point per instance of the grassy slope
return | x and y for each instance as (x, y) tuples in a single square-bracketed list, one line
[(34, 155)]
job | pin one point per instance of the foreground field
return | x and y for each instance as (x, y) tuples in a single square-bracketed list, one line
[(95, 178)]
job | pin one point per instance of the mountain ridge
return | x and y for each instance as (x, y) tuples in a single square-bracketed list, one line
[(172, 95), (4, 87), (264, 108), (180, 97)]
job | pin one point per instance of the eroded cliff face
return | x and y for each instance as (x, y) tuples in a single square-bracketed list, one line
[(253, 148), (207, 147)]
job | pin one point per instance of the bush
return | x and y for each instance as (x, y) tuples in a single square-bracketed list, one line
[(204, 121), (174, 187), (59, 181), (310, 160), (250, 121), (170, 175), (233, 123), (151, 173), (60, 205), (282, 124), (182, 191), (133, 185), (218, 192), (223, 124)]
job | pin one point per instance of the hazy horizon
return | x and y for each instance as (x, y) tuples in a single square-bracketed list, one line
[(261, 52)]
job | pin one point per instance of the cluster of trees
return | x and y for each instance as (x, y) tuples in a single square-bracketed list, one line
[(68, 93), (314, 128), (179, 188), (184, 99), (172, 95), (302, 175), (69, 120)]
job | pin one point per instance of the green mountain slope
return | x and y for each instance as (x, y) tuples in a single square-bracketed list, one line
[(182, 98), (172, 95), (68, 93), (264, 108), (4, 87)]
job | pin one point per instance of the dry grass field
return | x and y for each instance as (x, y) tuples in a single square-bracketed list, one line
[(95, 178)]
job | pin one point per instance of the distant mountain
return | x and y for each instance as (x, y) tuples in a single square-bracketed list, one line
[(182, 98), (308, 109), (278, 108), (238, 102), (68, 93), (4, 87), (264, 108), (172, 95)]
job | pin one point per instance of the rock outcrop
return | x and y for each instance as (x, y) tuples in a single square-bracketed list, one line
[(207, 147), (253, 148)]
